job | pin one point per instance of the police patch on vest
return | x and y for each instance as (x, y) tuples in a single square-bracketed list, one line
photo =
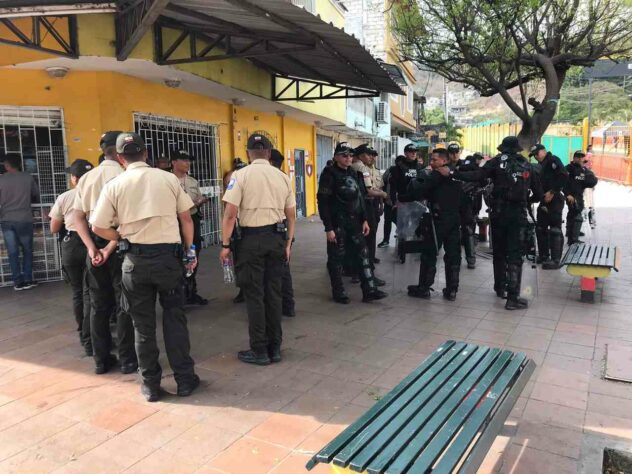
[(231, 183), (503, 158), (554, 166)]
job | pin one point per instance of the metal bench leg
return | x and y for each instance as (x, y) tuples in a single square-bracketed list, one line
[(588, 286)]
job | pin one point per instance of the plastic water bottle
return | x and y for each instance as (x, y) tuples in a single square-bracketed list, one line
[(190, 257), (229, 271)]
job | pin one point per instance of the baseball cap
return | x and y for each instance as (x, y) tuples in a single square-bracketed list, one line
[(454, 148), (410, 147), (129, 143), (79, 167), (536, 148), (579, 154), (365, 148), (258, 142), (109, 139), (178, 154), (342, 148)]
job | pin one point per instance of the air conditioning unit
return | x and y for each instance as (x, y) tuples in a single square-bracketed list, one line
[(383, 112)]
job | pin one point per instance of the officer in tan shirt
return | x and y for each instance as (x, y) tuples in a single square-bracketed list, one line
[(180, 166), (262, 197), (104, 268), (146, 207), (73, 252)]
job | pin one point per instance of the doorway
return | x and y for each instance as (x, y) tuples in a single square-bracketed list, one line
[(324, 152), (299, 176)]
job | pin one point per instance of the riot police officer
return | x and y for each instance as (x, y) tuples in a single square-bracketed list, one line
[(553, 176), (579, 178), (515, 184), (405, 171), (470, 190), (388, 204), (445, 200), (341, 208)]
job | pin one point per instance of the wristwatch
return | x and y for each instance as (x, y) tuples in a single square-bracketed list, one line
[(225, 246)]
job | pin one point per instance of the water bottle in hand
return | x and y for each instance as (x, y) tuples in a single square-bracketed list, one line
[(190, 257), (229, 271)]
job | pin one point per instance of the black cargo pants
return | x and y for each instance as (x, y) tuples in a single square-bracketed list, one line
[(105, 296), (259, 262), (150, 271), (73, 260)]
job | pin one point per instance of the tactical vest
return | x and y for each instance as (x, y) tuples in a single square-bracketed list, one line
[(513, 179), (347, 192)]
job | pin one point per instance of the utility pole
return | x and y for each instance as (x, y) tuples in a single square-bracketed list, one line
[(590, 83), (445, 100)]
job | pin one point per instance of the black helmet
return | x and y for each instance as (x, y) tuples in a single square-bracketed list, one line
[(510, 145), (454, 148)]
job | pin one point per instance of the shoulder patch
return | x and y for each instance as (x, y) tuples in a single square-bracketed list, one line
[(231, 184), (503, 158), (554, 166), (366, 174)]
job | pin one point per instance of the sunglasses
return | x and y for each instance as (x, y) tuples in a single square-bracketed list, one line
[(344, 155)]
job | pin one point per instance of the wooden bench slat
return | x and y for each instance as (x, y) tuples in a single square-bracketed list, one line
[(488, 370), (328, 452), (417, 394), (398, 432), (471, 418), (590, 255)]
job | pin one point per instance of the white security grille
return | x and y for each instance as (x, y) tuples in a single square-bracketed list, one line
[(37, 135), (164, 134)]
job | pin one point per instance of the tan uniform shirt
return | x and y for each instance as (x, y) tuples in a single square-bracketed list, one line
[(92, 183), (64, 210), (366, 173), (192, 188), (261, 192), (143, 203), (376, 177)]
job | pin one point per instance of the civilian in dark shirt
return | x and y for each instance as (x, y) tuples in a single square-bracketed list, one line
[(17, 191)]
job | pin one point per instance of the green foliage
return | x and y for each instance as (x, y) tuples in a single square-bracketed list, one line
[(436, 117), (610, 101)]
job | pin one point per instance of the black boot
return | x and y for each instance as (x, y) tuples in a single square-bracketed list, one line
[(452, 282), (556, 240), (500, 278), (469, 245), (337, 288), (543, 244), (426, 279), (514, 279)]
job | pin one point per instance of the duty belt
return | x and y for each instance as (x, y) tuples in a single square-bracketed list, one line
[(70, 235), (266, 229), (147, 249)]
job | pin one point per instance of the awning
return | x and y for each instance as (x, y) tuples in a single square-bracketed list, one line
[(283, 39)]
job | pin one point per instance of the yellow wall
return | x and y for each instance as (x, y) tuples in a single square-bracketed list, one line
[(329, 13), (93, 102)]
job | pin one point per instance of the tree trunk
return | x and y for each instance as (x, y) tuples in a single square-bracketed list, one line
[(533, 129)]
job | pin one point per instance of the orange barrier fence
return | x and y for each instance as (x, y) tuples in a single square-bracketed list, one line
[(611, 167)]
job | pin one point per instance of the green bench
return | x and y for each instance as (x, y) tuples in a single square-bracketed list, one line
[(441, 418), (589, 262)]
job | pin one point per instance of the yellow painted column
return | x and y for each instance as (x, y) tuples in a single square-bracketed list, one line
[(585, 132), (628, 177)]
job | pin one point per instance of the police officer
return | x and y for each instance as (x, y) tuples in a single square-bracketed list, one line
[(181, 165), (104, 268), (146, 207), (515, 184), (263, 197), (364, 157), (470, 189), (388, 205), (579, 179), (553, 176), (342, 209), (406, 170), (73, 252), (287, 290), (445, 200)]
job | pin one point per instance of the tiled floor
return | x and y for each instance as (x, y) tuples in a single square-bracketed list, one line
[(56, 416)]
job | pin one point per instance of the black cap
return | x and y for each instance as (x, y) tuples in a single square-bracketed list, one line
[(510, 145), (454, 148), (238, 164), (181, 154), (342, 148), (129, 143), (536, 148), (257, 141), (365, 148), (276, 158), (478, 156), (79, 167), (579, 154), (109, 139), (410, 147)]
